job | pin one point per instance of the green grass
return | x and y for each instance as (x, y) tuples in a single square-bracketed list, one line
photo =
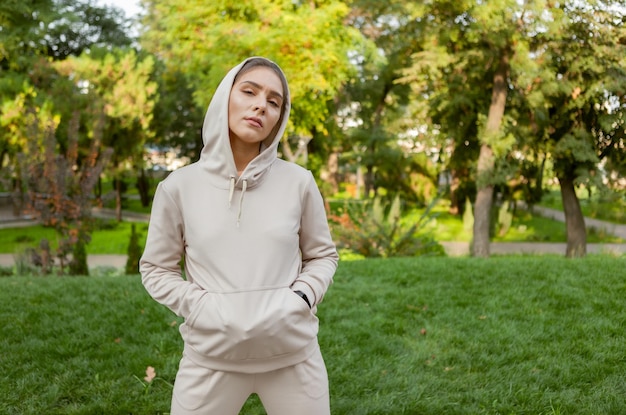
[(606, 205), (111, 238), (525, 227), (455, 336)]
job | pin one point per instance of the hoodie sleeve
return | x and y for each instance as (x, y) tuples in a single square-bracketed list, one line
[(159, 266), (319, 254)]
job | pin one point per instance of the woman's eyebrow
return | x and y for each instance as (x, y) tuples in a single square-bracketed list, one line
[(254, 84)]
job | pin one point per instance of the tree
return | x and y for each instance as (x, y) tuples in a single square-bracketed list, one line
[(22, 35), (177, 121), (465, 73), (46, 111), (374, 106), (122, 80), (78, 26), (32, 33), (307, 39), (57, 187), (577, 99)]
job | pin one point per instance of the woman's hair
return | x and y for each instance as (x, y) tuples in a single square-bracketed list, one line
[(255, 63)]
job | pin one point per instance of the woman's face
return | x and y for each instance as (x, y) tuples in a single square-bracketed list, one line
[(254, 106)]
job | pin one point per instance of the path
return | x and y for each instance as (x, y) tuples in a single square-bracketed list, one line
[(7, 220)]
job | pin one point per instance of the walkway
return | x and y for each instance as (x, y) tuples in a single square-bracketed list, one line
[(7, 220), (608, 227)]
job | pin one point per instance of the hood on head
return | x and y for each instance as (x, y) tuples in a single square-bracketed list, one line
[(216, 155)]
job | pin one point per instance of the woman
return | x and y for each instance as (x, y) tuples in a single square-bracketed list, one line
[(258, 258)]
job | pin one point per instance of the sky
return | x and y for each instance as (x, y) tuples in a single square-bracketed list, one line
[(131, 7)]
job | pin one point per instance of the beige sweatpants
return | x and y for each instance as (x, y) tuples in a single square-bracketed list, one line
[(301, 389)]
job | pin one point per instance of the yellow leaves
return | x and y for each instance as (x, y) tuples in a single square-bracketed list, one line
[(121, 80), (576, 92)]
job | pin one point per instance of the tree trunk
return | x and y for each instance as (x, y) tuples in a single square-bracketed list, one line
[(482, 208), (360, 182), (118, 200), (574, 220), (486, 162), (332, 170), (301, 151), (3, 156), (368, 181), (456, 202)]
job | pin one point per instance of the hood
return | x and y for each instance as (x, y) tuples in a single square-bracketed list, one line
[(216, 155)]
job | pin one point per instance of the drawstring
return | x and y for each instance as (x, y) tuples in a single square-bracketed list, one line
[(233, 179), (232, 190), (243, 192)]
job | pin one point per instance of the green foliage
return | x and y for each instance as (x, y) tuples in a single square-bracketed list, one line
[(577, 98), (79, 26), (377, 229), (177, 117), (134, 252), (505, 219), (308, 40), (23, 25), (120, 82), (468, 216), (78, 264)]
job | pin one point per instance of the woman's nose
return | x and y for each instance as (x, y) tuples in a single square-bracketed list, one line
[(259, 103)]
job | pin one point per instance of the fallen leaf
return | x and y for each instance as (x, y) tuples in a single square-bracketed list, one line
[(150, 374)]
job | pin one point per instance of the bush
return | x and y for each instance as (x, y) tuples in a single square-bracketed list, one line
[(375, 229), (78, 264), (134, 252)]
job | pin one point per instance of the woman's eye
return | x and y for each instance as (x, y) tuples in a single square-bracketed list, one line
[(274, 104)]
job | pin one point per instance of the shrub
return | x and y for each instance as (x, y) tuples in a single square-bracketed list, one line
[(376, 229), (134, 252)]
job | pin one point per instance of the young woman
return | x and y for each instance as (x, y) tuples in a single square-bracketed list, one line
[(258, 258)]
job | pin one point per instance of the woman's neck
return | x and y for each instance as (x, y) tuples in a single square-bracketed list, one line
[(243, 154)]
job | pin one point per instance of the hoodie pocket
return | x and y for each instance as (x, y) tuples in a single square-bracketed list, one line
[(260, 324)]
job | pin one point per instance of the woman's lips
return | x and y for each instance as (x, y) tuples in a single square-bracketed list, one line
[(254, 121)]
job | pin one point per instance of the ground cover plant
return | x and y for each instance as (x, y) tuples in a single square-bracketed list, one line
[(419, 336)]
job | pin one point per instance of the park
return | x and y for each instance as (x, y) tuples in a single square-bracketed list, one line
[(471, 157)]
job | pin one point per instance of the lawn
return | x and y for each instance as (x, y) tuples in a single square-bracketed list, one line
[(604, 205), (110, 238), (407, 336)]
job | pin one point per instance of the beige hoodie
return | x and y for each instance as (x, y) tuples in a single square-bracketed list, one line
[(248, 242)]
